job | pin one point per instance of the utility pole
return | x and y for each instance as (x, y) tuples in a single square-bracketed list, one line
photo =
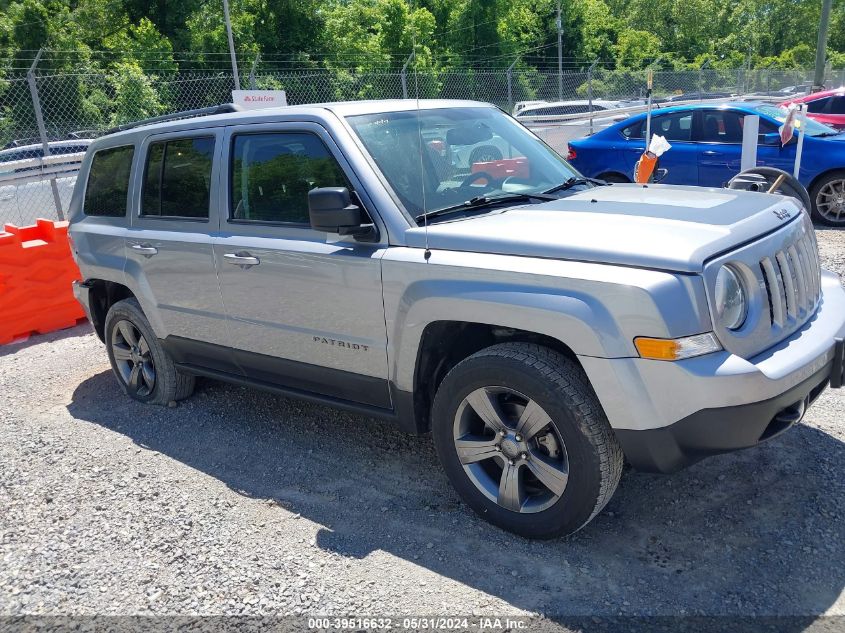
[(231, 44), (560, 54), (821, 46)]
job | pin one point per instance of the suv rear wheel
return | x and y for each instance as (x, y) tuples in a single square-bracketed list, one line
[(524, 440), (142, 367)]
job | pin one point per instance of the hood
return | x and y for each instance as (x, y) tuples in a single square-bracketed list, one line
[(659, 226)]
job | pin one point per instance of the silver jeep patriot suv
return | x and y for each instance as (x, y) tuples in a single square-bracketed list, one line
[(437, 265)]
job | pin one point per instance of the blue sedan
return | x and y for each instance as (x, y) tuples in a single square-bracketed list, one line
[(706, 144)]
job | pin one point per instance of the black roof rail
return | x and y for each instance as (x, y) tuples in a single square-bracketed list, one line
[(223, 108)]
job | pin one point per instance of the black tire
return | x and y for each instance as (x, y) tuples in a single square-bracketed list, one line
[(768, 175), (484, 154), (560, 388), (613, 177), (168, 383), (819, 194)]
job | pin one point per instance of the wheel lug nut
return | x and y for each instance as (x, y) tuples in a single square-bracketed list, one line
[(518, 437), (510, 461), (503, 433), (498, 448), (524, 456)]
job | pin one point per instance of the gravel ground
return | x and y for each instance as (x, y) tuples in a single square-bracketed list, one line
[(238, 502)]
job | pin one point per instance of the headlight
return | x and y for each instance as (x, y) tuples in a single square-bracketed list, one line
[(731, 302)]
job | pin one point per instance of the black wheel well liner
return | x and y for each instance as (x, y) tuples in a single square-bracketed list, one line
[(104, 294), (446, 343), (613, 172)]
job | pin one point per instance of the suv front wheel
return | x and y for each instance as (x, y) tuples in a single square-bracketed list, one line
[(142, 367), (524, 441)]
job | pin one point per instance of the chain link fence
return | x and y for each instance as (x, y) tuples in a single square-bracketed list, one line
[(83, 106)]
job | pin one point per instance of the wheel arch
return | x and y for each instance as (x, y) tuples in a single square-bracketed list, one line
[(617, 174), (104, 294), (821, 176), (446, 343)]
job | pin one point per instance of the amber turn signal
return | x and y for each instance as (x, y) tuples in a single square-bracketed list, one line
[(676, 348)]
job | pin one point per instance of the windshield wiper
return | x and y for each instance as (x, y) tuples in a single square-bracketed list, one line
[(479, 202), (574, 182)]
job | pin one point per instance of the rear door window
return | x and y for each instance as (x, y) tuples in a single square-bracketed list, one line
[(177, 178), (107, 190), (674, 127)]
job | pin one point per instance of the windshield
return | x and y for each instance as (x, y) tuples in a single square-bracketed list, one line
[(468, 152), (814, 128)]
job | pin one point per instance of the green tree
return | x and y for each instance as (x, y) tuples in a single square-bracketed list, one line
[(135, 97), (600, 30), (144, 44), (636, 49)]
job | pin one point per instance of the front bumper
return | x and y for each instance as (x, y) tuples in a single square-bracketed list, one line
[(720, 430), (668, 415)]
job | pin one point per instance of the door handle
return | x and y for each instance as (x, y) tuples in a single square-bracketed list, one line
[(710, 152), (242, 259), (145, 249)]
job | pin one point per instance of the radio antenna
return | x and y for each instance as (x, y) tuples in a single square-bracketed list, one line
[(427, 252)]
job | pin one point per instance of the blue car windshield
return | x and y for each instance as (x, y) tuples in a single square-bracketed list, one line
[(814, 128), (441, 157)]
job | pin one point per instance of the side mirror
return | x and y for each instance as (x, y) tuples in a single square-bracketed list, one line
[(330, 209)]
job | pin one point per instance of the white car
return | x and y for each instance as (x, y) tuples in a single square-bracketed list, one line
[(520, 105), (561, 108), (36, 150)]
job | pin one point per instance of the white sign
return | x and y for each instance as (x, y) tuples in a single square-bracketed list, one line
[(255, 99), (750, 129)]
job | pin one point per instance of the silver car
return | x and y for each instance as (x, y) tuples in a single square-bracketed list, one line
[(543, 327)]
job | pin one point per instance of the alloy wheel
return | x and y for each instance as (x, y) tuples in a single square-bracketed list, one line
[(133, 358), (510, 449), (830, 201)]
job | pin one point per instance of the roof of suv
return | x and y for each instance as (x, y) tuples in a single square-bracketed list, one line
[(263, 115)]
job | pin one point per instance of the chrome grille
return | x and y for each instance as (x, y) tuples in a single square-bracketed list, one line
[(792, 280)]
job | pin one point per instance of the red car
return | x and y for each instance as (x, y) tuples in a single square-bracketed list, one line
[(826, 107)]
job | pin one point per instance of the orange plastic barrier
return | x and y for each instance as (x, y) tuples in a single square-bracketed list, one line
[(36, 271)]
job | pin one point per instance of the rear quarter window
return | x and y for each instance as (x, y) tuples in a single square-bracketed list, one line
[(107, 190), (635, 130)]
